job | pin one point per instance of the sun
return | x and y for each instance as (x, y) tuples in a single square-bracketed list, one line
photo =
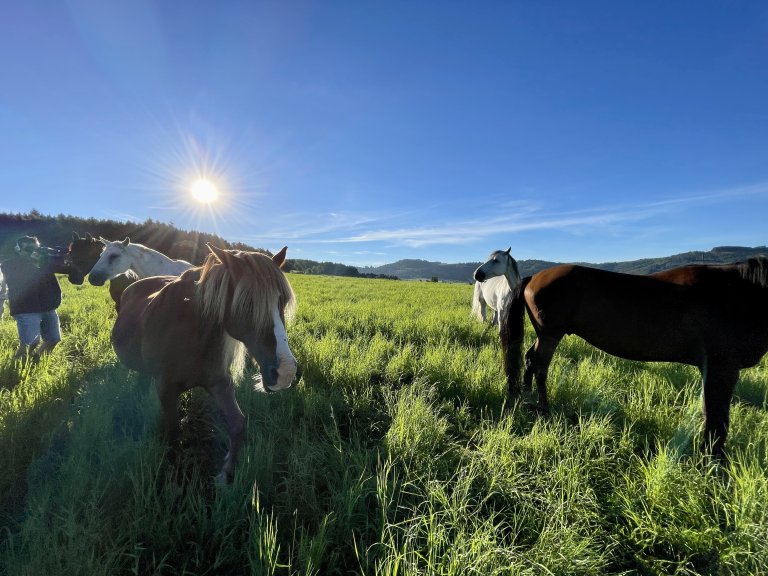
[(204, 191)]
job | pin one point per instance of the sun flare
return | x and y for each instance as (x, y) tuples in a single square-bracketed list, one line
[(204, 191)]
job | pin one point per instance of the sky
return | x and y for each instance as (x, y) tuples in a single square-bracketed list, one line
[(364, 132)]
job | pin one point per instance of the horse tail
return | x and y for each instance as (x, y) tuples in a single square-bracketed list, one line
[(511, 334), (476, 296)]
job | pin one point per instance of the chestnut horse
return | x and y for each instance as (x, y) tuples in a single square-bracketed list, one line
[(714, 317), (83, 254), (191, 330)]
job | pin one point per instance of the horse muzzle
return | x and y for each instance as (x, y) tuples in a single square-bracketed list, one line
[(97, 279), (280, 377), (75, 275)]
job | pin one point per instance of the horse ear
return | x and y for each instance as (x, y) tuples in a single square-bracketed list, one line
[(88, 237), (224, 257), (508, 250), (126, 241), (75, 236), (279, 258)]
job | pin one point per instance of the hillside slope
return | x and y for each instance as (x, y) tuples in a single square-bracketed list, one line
[(423, 269)]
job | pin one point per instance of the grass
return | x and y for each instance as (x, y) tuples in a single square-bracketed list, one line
[(393, 454)]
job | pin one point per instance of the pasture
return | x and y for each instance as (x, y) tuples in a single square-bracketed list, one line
[(393, 454)]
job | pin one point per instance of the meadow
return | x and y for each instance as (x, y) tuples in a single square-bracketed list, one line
[(394, 454)]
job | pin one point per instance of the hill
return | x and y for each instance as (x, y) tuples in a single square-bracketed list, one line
[(423, 269)]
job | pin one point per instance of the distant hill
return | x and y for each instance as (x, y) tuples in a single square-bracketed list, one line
[(425, 270)]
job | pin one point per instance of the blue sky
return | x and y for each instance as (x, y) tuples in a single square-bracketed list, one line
[(364, 132)]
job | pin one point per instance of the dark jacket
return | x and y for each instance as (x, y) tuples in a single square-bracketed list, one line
[(30, 289)]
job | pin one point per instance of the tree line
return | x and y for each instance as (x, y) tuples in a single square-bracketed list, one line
[(301, 266), (189, 245)]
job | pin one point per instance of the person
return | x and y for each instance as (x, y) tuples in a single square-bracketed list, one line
[(34, 295)]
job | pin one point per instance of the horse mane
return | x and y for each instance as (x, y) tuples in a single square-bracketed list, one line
[(755, 270), (514, 267), (245, 293)]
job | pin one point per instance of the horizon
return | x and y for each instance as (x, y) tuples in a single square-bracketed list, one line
[(472, 262), (365, 134)]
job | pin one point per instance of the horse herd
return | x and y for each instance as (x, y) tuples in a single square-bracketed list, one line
[(189, 326)]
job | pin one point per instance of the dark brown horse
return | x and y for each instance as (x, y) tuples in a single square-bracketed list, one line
[(83, 254), (190, 330), (714, 317)]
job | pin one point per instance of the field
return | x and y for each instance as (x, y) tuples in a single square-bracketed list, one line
[(394, 454)]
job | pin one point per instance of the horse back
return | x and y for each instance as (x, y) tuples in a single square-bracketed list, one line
[(687, 314), (736, 306), (626, 315), (156, 329)]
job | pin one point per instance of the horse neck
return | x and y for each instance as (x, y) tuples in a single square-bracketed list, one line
[(513, 279), (147, 262)]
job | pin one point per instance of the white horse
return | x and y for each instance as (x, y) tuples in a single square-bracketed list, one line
[(489, 294), (495, 281), (120, 256)]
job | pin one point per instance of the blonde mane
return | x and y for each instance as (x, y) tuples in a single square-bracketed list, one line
[(246, 294)]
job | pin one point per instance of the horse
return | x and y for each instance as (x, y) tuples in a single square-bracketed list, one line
[(123, 255), (194, 329), (494, 281), (713, 317), (83, 254)]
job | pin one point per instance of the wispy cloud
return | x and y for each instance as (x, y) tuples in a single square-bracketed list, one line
[(416, 229)]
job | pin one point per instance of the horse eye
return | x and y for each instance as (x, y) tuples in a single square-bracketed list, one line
[(112, 257)]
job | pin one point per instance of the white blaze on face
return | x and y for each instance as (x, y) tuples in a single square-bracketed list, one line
[(286, 362)]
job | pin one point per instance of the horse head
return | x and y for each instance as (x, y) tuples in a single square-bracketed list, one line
[(114, 260), (251, 296), (83, 254), (499, 263)]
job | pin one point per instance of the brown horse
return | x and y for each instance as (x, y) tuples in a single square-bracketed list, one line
[(83, 254), (714, 317), (190, 330)]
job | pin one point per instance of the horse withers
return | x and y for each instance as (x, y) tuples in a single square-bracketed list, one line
[(494, 280), (194, 329), (714, 317)]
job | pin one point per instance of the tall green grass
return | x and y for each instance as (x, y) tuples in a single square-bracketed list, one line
[(395, 453)]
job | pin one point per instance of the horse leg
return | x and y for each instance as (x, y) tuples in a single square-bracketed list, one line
[(168, 393), (719, 383), (495, 318), (223, 392), (537, 360), (529, 369)]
